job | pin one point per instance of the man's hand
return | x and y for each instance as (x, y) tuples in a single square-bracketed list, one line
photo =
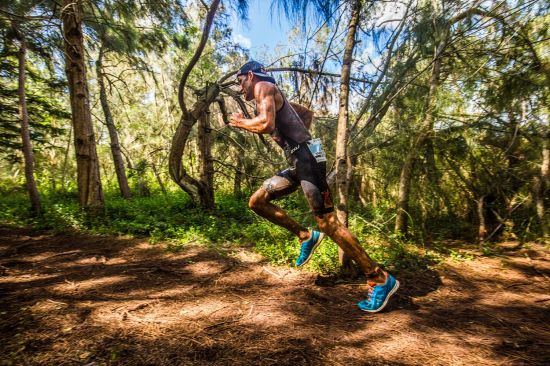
[(235, 119)]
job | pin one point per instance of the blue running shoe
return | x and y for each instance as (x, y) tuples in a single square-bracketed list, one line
[(308, 247), (379, 295)]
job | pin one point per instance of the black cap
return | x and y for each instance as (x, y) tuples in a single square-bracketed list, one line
[(257, 69)]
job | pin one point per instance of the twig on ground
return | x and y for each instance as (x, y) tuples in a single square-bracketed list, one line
[(223, 323), (139, 307), (65, 253)]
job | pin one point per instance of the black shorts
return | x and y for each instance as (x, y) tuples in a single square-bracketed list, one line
[(307, 172)]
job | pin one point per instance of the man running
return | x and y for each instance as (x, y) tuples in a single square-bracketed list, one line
[(275, 116)]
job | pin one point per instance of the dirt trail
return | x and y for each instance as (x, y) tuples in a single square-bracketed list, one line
[(91, 300)]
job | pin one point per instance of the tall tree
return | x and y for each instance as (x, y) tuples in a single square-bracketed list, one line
[(115, 26), (24, 117), (116, 152), (18, 37), (441, 33), (90, 190), (343, 166), (424, 134), (198, 191)]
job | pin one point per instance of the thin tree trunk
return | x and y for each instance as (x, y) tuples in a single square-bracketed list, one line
[(118, 161), (159, 179), (364, 190), (237, 182), (66, 160), (542, 186), (25, 134), (206, 164), (482, 231), (426, 131), (401, 220), (89, 183), (143, 187), (342, 167)]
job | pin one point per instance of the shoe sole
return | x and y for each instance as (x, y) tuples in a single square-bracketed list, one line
[(321, 237), (393, 290)]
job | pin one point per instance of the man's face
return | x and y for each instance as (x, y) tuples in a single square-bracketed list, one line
[(247, 89)]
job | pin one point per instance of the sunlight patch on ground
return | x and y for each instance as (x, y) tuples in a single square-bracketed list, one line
[(48, 305), (25, 278), (454, 348), (246, 256), (265, 316), (50, 255), (176, 292), (165, 313), (85, 285)]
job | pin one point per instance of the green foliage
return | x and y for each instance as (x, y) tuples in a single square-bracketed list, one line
[(43, 101), (171, 218)]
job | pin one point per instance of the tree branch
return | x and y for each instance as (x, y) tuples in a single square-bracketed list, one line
[(206, 31), (293, 69)]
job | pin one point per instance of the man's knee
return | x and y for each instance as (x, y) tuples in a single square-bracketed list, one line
[(258, 199)]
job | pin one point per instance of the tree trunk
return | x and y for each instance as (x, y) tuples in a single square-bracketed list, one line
[(89, 183), (25, 134), (189, 117), (158, 178), (401, 220), (542, 186), (482, 231), (342, 168), (426, 131), (113, 134), (143, 187), (363, 190), (237, 181), (206, 165), (66, 160)]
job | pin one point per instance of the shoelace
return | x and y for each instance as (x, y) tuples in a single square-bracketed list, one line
[(370, 290)]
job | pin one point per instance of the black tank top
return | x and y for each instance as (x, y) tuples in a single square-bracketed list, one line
[(289, 127)]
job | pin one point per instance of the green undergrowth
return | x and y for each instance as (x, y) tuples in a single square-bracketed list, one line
[(171, 218)]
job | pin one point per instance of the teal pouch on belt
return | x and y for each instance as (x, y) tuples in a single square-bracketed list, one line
[(316, 149)]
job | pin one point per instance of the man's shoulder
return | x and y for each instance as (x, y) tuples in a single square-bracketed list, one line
[(266, 88)]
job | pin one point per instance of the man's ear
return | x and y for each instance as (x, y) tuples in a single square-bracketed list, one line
[(250, 75)]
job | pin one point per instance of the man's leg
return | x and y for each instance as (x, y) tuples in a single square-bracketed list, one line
[(381, 285), (260, 202), (311, 174), (341, 235)]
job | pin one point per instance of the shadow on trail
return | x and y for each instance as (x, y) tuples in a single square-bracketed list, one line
[(77, 299)]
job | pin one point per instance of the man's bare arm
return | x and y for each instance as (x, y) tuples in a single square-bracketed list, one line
[(264, 122)]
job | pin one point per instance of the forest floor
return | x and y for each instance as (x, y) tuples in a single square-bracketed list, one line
[(71, 299)]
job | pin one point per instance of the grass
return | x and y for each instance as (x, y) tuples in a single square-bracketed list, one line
[(172, 218)]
